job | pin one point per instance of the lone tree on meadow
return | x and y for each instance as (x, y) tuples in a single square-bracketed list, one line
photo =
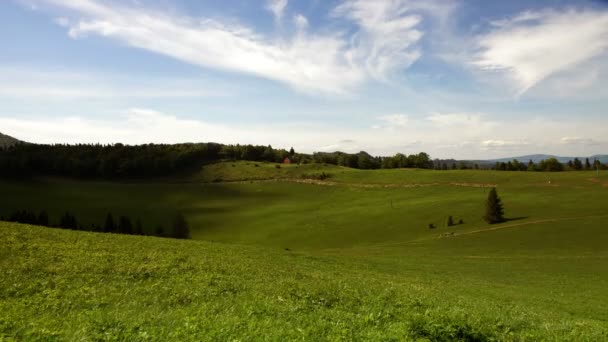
[(494, 210)]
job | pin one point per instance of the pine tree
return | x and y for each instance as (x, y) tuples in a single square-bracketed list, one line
[(159, 231), (181, 230), (587, 164), (450, 221), (292, 152), (43, 219), (139, 230), (110, 225), (68, 221), (125, 226), (494, 209)]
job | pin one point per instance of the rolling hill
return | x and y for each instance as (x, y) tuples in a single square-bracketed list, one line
[(6, 141), (281, 253)]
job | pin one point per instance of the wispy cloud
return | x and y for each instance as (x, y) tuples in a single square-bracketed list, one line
[(388, 34), (385, 40), (535, 45), (277, 7), (393, 121)]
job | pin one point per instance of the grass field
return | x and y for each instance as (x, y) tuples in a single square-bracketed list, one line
[(286, 256)]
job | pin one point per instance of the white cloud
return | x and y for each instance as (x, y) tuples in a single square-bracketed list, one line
[(388, 34), (579, 141), (535, 45), (394, 120), (301, 22), (504, 144), (458, 120), (334, 62), (277, 7)]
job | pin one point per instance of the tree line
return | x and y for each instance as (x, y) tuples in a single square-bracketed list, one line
[(118, 161), (551, 164), (364, 160), (123, 225)]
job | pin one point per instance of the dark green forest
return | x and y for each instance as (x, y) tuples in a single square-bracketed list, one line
[(153, 160), (118, 161)]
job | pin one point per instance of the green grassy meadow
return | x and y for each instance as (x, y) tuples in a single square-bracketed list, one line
[(279, 255)]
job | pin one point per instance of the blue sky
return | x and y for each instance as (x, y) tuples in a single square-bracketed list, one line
[(462, 79)]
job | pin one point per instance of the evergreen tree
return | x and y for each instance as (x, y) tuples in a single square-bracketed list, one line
[(68, 221), (125, 226), (587, 164), (450, 221), (139, 230), (110, 225), (181, 230), (43, 219), (494, 209), (159, 231), (291, 152), (578, 165)]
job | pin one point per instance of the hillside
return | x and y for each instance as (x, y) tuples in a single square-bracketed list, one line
[(6, 141), (284, 253), (66, 285)]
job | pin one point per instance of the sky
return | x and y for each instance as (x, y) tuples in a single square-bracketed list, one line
[(458, 79)]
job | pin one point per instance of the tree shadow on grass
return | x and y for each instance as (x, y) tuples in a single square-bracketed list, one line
[(509, 219)]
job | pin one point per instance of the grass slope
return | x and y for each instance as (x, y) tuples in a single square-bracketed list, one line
[(284, 209), (361, 262), (65, 285)]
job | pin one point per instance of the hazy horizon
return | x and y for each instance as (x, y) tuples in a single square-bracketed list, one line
[(455, 79)]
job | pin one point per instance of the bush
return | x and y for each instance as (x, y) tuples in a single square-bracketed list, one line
[(316, 176)]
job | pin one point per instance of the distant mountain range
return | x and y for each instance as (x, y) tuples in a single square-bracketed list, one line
[(603, 158), (5, 140)]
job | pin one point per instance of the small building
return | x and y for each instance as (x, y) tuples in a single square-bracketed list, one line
[(286, 160)]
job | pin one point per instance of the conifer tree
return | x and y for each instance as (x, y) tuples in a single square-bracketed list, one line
[(139, 230), (110, 225), (494, 209), (181, 230), (450, 221), (43, 219), (125, 226)]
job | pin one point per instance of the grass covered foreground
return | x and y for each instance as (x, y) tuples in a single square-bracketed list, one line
[(286, 255), (66, 285)]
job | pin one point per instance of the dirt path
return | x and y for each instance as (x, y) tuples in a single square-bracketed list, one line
[(485, 230), (357, 185)]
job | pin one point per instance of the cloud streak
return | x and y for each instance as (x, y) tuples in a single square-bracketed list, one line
[(533, 46), (384, 41)]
